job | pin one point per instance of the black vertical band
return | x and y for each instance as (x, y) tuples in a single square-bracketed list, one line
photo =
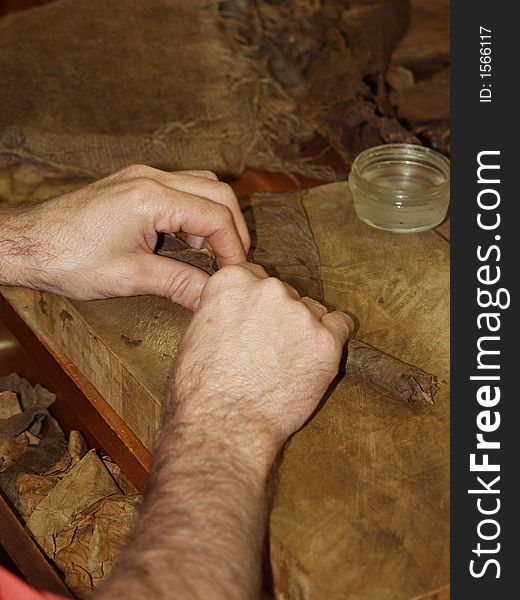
[(485, 212)]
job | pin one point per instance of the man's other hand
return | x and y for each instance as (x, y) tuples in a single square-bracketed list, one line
[(98, 241), (255, 360)]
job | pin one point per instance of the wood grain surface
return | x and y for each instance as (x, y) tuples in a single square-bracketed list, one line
[(362, 507), (363, 499)]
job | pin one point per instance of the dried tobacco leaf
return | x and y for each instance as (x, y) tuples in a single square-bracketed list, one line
[(11, 449), (84, 484), (282, 241), (30, 397), (78, 447), (70, 499), (173, 246), (87, 551), (32, 489), (330, 58), (25, 421), (33, 454), (126, 486), (9, 405)]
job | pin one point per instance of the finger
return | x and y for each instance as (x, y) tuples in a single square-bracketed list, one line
[(339, 324), (195, 241), (203, 174), (217, 192), (233, 276), (291, 291), (134, 171), (178, 281), (317, 309), (207, 187), (179, 211)]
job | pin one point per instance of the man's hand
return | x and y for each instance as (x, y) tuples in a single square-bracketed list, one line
[(98, 242), (254, 363), (256, 359)]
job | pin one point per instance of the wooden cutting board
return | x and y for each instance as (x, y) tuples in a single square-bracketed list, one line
[(362, 507)]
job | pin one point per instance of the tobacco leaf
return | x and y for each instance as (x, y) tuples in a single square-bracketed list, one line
[(86, 483), (24, 412), (126, 486), (77, 447), (9, 405), (425, 106), (173, 246), (330, 58), (427, 101), (17, 424), (426, 45), (11, 449), (74, 451), (282, 241), (38, 459), (87, 551), (69, 498), (13, 420), (30, 396), (32, 489)]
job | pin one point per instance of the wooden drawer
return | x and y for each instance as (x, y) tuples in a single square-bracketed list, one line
[(77, 406)]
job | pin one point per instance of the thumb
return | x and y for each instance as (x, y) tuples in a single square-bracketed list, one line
[(180, 282)]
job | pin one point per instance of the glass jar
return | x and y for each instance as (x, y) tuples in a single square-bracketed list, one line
[(401, 187)]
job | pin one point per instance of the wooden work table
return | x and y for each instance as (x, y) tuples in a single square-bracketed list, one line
[(362, 507)]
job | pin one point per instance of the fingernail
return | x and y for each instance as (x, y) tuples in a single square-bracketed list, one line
[(195, 305)]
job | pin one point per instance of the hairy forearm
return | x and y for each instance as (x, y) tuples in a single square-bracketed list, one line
[(21, 252), (10, 246), (201, 529)]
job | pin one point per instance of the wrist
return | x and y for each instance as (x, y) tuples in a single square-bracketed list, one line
[(247, 444), (23, 255), (11, 247)]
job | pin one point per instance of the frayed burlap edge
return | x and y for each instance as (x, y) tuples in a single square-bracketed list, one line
[(271, 142)]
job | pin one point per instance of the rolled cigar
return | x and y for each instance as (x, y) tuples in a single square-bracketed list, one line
[(401, 380)]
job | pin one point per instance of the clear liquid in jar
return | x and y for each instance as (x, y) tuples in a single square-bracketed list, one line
[(401, 176), (400, 216)]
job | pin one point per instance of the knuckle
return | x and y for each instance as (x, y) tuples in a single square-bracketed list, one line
[(146, 187), (226, 192), (272, 286), (224, 215), (230, 273), (135, 170), (327, 343), (229, 277), (207, 174)]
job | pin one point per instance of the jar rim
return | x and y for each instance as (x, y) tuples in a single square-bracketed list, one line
[(405, 154)]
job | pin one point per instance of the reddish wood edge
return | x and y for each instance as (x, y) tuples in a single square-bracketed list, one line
[(26, 555), (78, 404)]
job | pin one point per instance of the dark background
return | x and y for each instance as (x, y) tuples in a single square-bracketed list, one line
[(477, 127), (11, 5)]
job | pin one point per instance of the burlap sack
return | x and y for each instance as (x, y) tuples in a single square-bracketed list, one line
[(88, 86)]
